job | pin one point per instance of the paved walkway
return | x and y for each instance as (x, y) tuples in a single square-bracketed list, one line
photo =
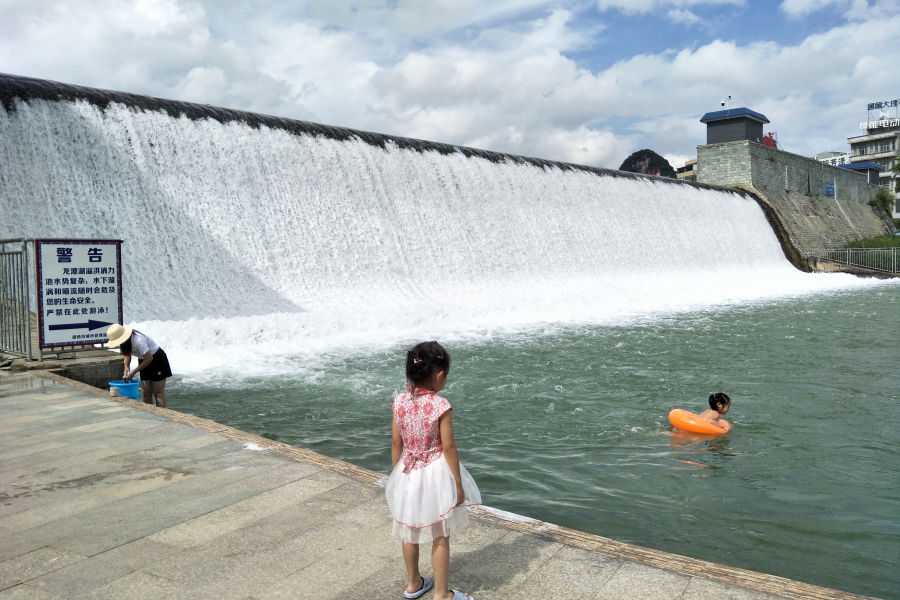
[(103, 498)]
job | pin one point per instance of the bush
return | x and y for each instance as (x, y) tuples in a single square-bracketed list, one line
[(896, 223), (887, 241), (883, 199)]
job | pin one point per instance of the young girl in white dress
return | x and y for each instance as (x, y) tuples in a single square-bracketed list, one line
[(429, 489)]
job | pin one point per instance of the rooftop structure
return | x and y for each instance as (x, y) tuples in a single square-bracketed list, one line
[(870, 169), (733, 125)]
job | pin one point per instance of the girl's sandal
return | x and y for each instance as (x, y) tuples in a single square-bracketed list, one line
[(460, 596), (427, 584)]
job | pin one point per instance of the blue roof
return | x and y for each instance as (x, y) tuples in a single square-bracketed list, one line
[(861, 166), (731, 113)]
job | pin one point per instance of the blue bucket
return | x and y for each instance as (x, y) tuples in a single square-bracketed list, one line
[(131, 390)]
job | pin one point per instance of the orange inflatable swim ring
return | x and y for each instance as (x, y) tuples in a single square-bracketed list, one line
[(688, 421)]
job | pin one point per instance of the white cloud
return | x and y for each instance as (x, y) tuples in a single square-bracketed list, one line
[(800, 8), (806, 90), (855, 10), (523, 97), (413, 18), (586, 147), (645, 6), (677, 160), (157, 47), (680, 15), (498, 76)]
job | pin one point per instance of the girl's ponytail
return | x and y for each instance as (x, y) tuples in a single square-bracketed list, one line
[(719, 398), (423, 361)]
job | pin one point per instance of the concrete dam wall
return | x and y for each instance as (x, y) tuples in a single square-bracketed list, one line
[(795, 187), (242, 229)]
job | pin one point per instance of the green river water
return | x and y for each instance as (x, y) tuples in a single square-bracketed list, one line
[(570, 426)]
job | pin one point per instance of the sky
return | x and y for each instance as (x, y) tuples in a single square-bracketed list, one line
[(587, 82)]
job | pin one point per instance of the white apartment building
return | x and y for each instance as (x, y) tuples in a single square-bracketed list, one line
[(880, 144)]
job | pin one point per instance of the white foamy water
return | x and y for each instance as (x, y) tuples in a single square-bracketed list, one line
[(257, 251)]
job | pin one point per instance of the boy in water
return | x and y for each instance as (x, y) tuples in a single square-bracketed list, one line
[(718, 406)]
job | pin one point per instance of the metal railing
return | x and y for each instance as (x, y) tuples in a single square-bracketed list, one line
[(877, 259), (19, 327), (15, 318)]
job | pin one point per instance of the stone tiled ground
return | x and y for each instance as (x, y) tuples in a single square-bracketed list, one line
[(99, 499)]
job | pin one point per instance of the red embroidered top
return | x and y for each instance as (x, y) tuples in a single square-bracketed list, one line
[(418, 419)]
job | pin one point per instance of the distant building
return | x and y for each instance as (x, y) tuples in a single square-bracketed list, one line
[(735, 124), (880, 144), (871, 170), (818, 205), (835, 159), (688, 172)]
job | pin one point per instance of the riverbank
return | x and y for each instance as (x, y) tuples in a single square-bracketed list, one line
[(105, 497)]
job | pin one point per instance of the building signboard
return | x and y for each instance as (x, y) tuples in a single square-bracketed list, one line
[(834, 158), (79, 290), (880, 123), (885, 104), (880, 115)]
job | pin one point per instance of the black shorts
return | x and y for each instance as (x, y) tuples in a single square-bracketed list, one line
[(158, 369)]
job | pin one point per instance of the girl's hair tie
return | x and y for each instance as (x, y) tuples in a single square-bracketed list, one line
[(417, 361)]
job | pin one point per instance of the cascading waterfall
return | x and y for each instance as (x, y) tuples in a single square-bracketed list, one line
[(241, 234)]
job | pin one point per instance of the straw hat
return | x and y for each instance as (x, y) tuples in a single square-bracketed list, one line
[(118, 334)]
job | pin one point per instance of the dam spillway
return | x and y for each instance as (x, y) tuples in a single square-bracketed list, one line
[(284, 265), (258, 227)]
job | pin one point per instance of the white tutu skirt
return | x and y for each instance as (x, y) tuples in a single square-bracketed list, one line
[(423, 501)]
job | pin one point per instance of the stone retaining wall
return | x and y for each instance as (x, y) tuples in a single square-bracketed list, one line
[(794, 186), (97, 374)]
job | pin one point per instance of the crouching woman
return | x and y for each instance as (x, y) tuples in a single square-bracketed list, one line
[(153, 364)]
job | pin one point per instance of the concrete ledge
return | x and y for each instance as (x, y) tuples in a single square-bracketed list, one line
[(823, 265), (673, 563), (94, 367)]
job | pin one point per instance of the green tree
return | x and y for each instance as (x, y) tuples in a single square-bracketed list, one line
[(884, 200), (648, 161), (895, 167)]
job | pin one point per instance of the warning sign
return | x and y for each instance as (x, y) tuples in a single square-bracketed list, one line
[(79, 290)]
